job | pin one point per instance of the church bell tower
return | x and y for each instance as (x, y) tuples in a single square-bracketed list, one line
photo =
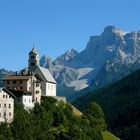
[(33, 61)]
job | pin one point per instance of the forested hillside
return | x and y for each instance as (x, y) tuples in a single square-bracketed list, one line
[(121, 105), (54, 120)]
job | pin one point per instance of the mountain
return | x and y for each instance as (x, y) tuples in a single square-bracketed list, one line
[(107, 58), (120, 102), (3, 72), (112, 44), (66, 76), (67, 56)]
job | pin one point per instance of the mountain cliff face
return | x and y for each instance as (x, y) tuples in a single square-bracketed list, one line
[(64, 75), (106, 58), (112, 44)]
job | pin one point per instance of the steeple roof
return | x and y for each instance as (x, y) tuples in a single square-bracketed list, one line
[(33, 50)]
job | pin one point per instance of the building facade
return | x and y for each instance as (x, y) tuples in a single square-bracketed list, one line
[(6, 105), (25, 86)]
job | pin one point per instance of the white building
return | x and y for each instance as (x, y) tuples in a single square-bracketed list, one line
[(6, 105), (48, 83)]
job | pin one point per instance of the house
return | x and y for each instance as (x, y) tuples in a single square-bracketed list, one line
[(26, 86), (6, 105), (24, 98), (30, 84)]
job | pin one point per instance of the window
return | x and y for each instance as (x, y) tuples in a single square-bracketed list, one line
[(4, 105), (0, 114), (51, 87), (48, 87), (32, 57), (9, 105), (3, 96), (0, 105), (4, 114), (24, 100), (36, 98), (29, 101), (20, 87), (20, 82), (32, 63), (9, 114), (29, 88), (37, 91), (37, 84), (14, 82), (8, 82), (6, 96)]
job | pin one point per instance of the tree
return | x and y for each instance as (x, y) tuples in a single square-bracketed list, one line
[(96, 116)]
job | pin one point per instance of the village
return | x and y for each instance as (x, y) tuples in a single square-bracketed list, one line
[(27, 87)]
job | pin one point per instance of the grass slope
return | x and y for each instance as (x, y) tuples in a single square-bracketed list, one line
[(109, 136)]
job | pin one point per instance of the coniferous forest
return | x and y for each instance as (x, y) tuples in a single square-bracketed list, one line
[(121, 104)]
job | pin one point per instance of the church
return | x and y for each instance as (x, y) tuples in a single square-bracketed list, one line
[(27, 87), (34, 79), (48, 84)]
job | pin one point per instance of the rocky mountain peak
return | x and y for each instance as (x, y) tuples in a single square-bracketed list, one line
[(113, 30), (65, 57)]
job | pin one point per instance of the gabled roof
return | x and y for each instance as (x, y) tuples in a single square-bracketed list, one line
[(47, 75), (8, 92)]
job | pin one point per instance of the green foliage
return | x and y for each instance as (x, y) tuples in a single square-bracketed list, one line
[(96, 116), (52, 120), (121, 104)]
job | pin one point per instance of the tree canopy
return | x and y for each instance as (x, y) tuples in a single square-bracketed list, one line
[(53, 120)]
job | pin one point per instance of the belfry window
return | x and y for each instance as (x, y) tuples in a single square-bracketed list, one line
[(32, 57), (32, 63)]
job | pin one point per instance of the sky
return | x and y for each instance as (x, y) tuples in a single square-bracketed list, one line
[(55, 26)]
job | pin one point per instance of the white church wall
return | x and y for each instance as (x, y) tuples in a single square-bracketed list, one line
[(50, 89)]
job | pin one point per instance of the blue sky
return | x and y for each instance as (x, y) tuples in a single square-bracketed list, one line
[(58, 25)]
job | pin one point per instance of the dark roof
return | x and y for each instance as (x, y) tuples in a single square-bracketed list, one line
[(8, 92), (17, 77), (19, 93), (33, 51)]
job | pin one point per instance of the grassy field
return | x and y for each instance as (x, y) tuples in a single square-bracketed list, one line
[(76, 112), (109, 136)]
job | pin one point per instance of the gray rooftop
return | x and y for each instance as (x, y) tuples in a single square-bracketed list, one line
[(47, 74)]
